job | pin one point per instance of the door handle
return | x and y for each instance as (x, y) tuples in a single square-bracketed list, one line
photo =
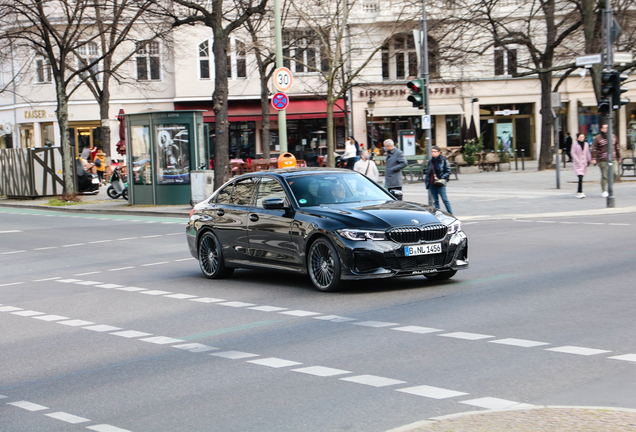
[(254, 217), (220, 212)]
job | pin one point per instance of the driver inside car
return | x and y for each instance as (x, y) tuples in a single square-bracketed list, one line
[(338, 193)]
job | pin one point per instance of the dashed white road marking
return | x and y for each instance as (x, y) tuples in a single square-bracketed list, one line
[(87, 283), (131, 334), (49, 279), (86, 274), (467, 336), (73, 245), (131, 289), (593, 223), (100, 241), (321, 371), (431, 392), (578, 350), (180, 296), (417, 329), (542, 221), (494, 403), (13, 283), (109, 286), (625, 357), (9, 308), (376, 324), (76, 323), (195, 347), (51, 317), (519, 342), (127, 238), (151, 236), (619, 224), (68, 280), (161, 340), (29, 406), (106, 428), (334, 318), (154, 292), (68, 418), (12, 252), (45, 248), (10, 231), (121, 268), (274, 362), (102, 328), (154, 264), (171, 234), (234, 355), (268, 308), (372, 380), (299, 313), (237, 304), (207, 300), (184, 259), (28, 313)]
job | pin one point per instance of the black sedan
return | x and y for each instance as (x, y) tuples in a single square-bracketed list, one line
[(330, 223)]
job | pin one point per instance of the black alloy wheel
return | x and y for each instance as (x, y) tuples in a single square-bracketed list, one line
[(324, 265), (439, 276), (211, 258)]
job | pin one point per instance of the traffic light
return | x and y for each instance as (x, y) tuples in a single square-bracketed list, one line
[(617, 101), (604, 106), (417, 93), (608, 84)]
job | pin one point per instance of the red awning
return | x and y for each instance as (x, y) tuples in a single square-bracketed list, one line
[(251, 110)]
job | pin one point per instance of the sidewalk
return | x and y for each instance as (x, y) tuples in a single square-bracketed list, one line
[(480, 196)]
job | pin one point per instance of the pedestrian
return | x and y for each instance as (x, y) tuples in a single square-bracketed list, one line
[(581, 158), (437, 174), (100, 165), (367, 167), (395, 163), (349, 156), (599, 155), (567, 147)]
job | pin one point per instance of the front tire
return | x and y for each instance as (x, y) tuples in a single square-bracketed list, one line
[(440, 276), (211, 258), (111, 192), (323, 265)]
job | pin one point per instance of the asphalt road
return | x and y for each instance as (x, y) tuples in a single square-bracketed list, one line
[(108, 325)]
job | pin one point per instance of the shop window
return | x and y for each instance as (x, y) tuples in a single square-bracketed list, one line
[(148, 58), (236, 59), (303, 52), (204, 60), (43, 73), (453, 129), (399, 58), (86, 55), (506, 60)]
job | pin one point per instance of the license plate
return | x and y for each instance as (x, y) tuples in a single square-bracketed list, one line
[(423, 249), (95, 181)]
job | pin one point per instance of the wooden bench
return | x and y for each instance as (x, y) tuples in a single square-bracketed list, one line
[(627, 164)]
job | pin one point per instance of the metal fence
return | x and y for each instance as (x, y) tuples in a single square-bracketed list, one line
[(31, 172)]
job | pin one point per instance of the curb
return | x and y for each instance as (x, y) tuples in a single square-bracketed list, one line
[(176, 214)]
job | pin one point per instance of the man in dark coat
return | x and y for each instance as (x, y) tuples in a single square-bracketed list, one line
[(395, 163)]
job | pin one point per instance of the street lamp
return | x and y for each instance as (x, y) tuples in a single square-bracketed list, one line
[(370, 108)]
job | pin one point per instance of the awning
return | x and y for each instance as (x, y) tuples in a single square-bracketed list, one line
[(412, 112), (588, 102), (250, 110)]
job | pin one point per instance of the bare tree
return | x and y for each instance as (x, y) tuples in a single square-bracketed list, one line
[(222, 17)]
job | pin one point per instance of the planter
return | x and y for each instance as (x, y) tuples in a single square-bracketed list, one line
[(469, 169)]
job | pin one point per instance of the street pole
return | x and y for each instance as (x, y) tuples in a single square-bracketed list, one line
[(609, 65), (556, 142), (282, 117), (348, 48), (425, 76)]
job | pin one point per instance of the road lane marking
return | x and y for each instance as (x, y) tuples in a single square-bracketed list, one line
[(417, 329), (87, 283), (51, 318), (29, 406), (12, 283), (237, 304), (268, 308), (131, 289), (10, 231), (122, 268), (68, 280), (577, 350), (376, 324), (161, 340), (46, 248), (234, 355), (76, 323), (86, 274), (495, 403), (109, 286), (321, 371), (106, 428), (154, 292), (625, 357), (73, 245), (9, 309), (12, 252), (184, 259), (519, 342), (68, 418), (274, 362), (154, 264), (207, 300), (27, 313), (180, 296), (299, 313), (229, 330), (127, 238), (195, 347), (102, 328), (152, 236), (334, 318), (100, 241), (467, 336), (431, 392), (49, 279), (131, 334), (373, 380)]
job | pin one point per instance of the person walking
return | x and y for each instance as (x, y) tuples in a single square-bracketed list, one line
[(437, 174), (349, 156), (367, 167), (581, 158), (567, 146), (599, 155), (395, 163)]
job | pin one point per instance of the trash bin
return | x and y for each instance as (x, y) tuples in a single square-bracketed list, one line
[(202, 182), (287, 160)]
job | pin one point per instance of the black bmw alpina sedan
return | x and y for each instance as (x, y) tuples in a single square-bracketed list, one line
[(332, 224)]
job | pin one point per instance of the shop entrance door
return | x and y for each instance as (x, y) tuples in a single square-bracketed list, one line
[(505, 135), (522, 137)]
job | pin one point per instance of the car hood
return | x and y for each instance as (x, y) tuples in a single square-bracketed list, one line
[(379, 215)]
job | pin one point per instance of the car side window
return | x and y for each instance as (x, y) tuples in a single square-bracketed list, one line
[(223, 197), (267, 189), (242, 192)]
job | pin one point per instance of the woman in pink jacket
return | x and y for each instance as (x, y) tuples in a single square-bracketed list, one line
[(581, 157)]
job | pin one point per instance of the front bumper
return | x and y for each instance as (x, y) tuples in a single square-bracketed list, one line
[(383, 259)]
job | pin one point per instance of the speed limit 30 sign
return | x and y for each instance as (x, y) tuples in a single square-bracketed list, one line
[(283, 79)]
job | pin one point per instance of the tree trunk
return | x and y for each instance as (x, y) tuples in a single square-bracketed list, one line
[(104, 106), (545, 155), (220, 107), (68, 157)]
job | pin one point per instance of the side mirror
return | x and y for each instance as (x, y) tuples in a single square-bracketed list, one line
[(397, 194), (274, 204)]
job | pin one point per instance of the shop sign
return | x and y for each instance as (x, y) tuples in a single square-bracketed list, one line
[(507, 112), (439, 91), (33, 114)]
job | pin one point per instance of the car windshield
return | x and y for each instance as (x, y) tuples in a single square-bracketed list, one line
[(320, 189)]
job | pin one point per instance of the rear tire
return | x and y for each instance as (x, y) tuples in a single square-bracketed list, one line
[(211, 258), (323, 265), (443, 275), (124, 194)]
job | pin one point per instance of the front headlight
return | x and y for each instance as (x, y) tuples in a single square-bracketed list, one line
[(361, 235), (454, 226)]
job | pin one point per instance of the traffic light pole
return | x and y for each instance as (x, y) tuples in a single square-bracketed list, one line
[(424, 74), (609, 64)]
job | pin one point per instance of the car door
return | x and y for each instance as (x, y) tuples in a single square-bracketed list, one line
[(269, 231), (230, 219)]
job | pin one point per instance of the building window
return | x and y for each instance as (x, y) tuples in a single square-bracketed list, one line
[(453, 130), (303, 52), (204, 60), (87, 54), (148, 59), (236, 59), (399, 58), (43, 73), (506, 60)]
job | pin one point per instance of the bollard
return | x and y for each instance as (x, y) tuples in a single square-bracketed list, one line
[(523, 160), (563, 156), (516, 167)]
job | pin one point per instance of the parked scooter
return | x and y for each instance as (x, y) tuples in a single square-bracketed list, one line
[(117, 187), (87, 183)]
